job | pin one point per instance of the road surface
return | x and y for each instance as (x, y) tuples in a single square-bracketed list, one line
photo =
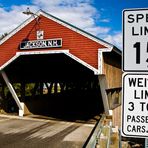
[(28, 132)]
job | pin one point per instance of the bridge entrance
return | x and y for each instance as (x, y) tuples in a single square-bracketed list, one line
[(54, 85)]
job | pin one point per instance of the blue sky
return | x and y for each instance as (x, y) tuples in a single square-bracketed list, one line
[(102, 18), (113, 10)]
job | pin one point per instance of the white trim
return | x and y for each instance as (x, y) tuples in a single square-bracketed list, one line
[(8, 62), (13, 32), (59, 22), (100, 62), (29, 53), (42, 52), (11, 89), (66, 52), (106, 49), (83, 63), (100, 58)]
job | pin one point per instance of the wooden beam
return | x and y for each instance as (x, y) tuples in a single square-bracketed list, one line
[(41, 88), (35, 89), (103, 87), (49, 87), (62, 86), (55, 88), (22, 91), (11, 89)]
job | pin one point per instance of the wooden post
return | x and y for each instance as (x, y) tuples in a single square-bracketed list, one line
[(22, 91), (55, 88), (110, 99), (35, 89), (62, 85), (49, 87), (103, 87), (11, 89), (41, 88)]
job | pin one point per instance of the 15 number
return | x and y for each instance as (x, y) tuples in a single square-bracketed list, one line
[(137, 46)]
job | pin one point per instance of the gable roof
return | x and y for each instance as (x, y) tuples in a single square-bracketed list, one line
[(68, 25)]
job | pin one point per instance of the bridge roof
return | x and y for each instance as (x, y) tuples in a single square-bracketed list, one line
[(76, 43)]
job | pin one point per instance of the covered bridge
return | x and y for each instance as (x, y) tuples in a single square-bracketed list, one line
[(67, 68)]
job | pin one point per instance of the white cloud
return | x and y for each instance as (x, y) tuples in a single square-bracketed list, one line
[(115, 39), (11, 19), (77, 12), (105, 20), (96, 30)]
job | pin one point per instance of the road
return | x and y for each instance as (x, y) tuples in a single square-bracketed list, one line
[(27, 132)]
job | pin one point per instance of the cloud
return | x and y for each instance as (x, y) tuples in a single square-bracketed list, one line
[(96, 30), (80, 13), (105, 20), (12, 18), (115, 39)]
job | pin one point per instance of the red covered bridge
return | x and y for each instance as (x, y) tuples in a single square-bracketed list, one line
[(73, 66)]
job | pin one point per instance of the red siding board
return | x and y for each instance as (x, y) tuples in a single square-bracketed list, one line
[(78, 45)]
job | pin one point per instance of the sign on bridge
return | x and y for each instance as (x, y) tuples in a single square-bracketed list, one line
[(48, 43)]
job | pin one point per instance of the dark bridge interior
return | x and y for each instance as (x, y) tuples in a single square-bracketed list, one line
[(59, 86)]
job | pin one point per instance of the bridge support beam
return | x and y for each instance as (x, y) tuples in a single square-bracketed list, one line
[(14, 95), (103, 87)]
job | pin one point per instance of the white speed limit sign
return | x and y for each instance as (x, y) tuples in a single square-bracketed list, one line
[(135, 40)]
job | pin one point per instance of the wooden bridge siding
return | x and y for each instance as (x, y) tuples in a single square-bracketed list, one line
[(112, 69)]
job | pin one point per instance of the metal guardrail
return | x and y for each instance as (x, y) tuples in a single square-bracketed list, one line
[(96, 134), (114, 99)]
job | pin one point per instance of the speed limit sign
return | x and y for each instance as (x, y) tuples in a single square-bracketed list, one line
[(135, 40)]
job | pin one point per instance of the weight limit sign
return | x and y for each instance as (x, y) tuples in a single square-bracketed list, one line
[(135, 105)]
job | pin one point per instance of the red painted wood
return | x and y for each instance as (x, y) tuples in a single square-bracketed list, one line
[(79, 45)]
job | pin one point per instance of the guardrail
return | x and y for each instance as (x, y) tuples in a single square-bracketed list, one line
[(93, 139), (104, 135), (101, 135)]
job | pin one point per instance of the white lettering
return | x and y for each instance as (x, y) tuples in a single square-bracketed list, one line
[(41, 44), (55, 43)]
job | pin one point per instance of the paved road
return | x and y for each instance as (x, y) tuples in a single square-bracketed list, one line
[(39, 133)]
